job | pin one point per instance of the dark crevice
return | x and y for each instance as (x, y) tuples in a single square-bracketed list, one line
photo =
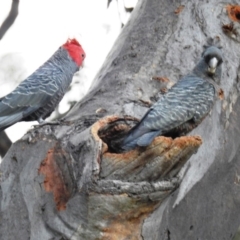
[(168, 235), (114, 132), (238, 15)]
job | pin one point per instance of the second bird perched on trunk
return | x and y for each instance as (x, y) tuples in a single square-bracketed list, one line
[(38, 95), (183, 107)]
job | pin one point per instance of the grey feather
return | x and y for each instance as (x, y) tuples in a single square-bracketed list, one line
[(38, 95), (147, 138), (183, 107)]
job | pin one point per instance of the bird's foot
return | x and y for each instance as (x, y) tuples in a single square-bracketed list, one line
[(56, 122), (43, 123)]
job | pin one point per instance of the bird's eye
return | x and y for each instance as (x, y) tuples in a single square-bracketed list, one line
[(83, 56), (207, 59)]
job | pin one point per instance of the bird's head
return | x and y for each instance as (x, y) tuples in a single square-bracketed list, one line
[(75, 51), (212, 58)]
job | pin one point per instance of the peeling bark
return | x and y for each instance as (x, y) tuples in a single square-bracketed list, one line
[(71, 182)]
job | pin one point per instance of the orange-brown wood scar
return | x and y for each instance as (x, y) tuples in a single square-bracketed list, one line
[(221, 94), (161, 79), (53, 178), (99, 124), (128, 225), (124, 223), (179, 9), (164, 153), (233, 12)]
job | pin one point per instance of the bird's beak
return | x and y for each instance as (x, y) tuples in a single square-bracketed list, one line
[(212, 65)]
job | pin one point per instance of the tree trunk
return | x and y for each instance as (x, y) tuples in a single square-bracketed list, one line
[(71, 182)]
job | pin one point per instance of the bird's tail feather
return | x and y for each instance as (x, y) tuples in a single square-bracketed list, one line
[(147, 138), (7, 121), (130, 145), (130, 142)]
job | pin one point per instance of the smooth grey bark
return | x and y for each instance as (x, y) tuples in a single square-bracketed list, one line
[(61, 182)]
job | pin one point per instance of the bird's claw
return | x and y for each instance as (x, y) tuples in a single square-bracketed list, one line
[(43, 123)]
